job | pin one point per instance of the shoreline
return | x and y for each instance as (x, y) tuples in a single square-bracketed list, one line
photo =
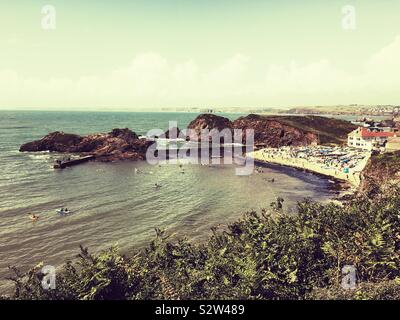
[(344, 181), (341, 190), (342, 185)]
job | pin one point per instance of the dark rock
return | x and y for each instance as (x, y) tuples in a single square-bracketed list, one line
[(277, 131), (273, 133), (119, 144), (171, 133), (124, 134), (55, 141), (207, 122)]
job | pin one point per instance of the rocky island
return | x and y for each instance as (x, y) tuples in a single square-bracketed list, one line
[(119, 144)]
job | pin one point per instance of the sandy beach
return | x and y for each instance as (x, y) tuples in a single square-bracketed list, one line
[(353, 176)]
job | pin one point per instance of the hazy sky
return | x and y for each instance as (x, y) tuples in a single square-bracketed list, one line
[(166, 53)]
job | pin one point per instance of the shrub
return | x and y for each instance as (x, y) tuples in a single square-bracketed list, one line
[(270, 255)]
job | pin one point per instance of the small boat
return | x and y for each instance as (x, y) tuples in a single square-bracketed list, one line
[(34, 218)]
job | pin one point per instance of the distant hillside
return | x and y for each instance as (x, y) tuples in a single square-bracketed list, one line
[(355, 109)]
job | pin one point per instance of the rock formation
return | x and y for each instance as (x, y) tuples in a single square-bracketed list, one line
[(277, 131), (119, 144), (209, 122), (273, 133), (55, 141), (381, 173), (171, 133)]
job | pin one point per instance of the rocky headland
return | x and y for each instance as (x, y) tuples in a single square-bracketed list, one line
[(278, 131)]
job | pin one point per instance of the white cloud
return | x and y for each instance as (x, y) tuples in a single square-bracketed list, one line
[(150, 80)]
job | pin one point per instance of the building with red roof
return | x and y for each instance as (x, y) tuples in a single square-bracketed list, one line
[(369, 139)]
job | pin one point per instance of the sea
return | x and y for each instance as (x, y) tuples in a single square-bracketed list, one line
[(117, 203)]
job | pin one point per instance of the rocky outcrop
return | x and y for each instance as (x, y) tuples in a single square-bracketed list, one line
[(171, 133), (55, 141), (273, 133), (196, 128), (381, 173), (119, 144), (277, 131)]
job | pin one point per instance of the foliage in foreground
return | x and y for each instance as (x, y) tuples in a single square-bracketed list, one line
[(271, 255)]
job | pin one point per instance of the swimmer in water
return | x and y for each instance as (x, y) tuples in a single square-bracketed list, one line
[(34, 217)]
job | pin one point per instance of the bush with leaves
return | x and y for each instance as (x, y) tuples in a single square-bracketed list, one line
[(271, 255)]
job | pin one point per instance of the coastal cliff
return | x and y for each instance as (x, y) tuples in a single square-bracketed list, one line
[(273, 133), (119, 144), (278, 131), (381, 173)]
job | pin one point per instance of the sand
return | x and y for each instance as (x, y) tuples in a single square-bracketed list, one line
[(353, 177)]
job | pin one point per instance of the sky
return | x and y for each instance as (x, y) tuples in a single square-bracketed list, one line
[(145, 55)]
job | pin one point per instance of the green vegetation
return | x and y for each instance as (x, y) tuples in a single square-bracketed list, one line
[(270, 255)]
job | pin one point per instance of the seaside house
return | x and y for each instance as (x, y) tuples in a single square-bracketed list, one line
[(368, 139)]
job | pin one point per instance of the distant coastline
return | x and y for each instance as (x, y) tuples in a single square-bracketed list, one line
[(352, 110)]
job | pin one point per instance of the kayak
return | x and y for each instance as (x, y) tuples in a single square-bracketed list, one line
[(62, 212)]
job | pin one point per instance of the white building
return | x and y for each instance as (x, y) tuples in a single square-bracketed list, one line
[(364, 138)]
